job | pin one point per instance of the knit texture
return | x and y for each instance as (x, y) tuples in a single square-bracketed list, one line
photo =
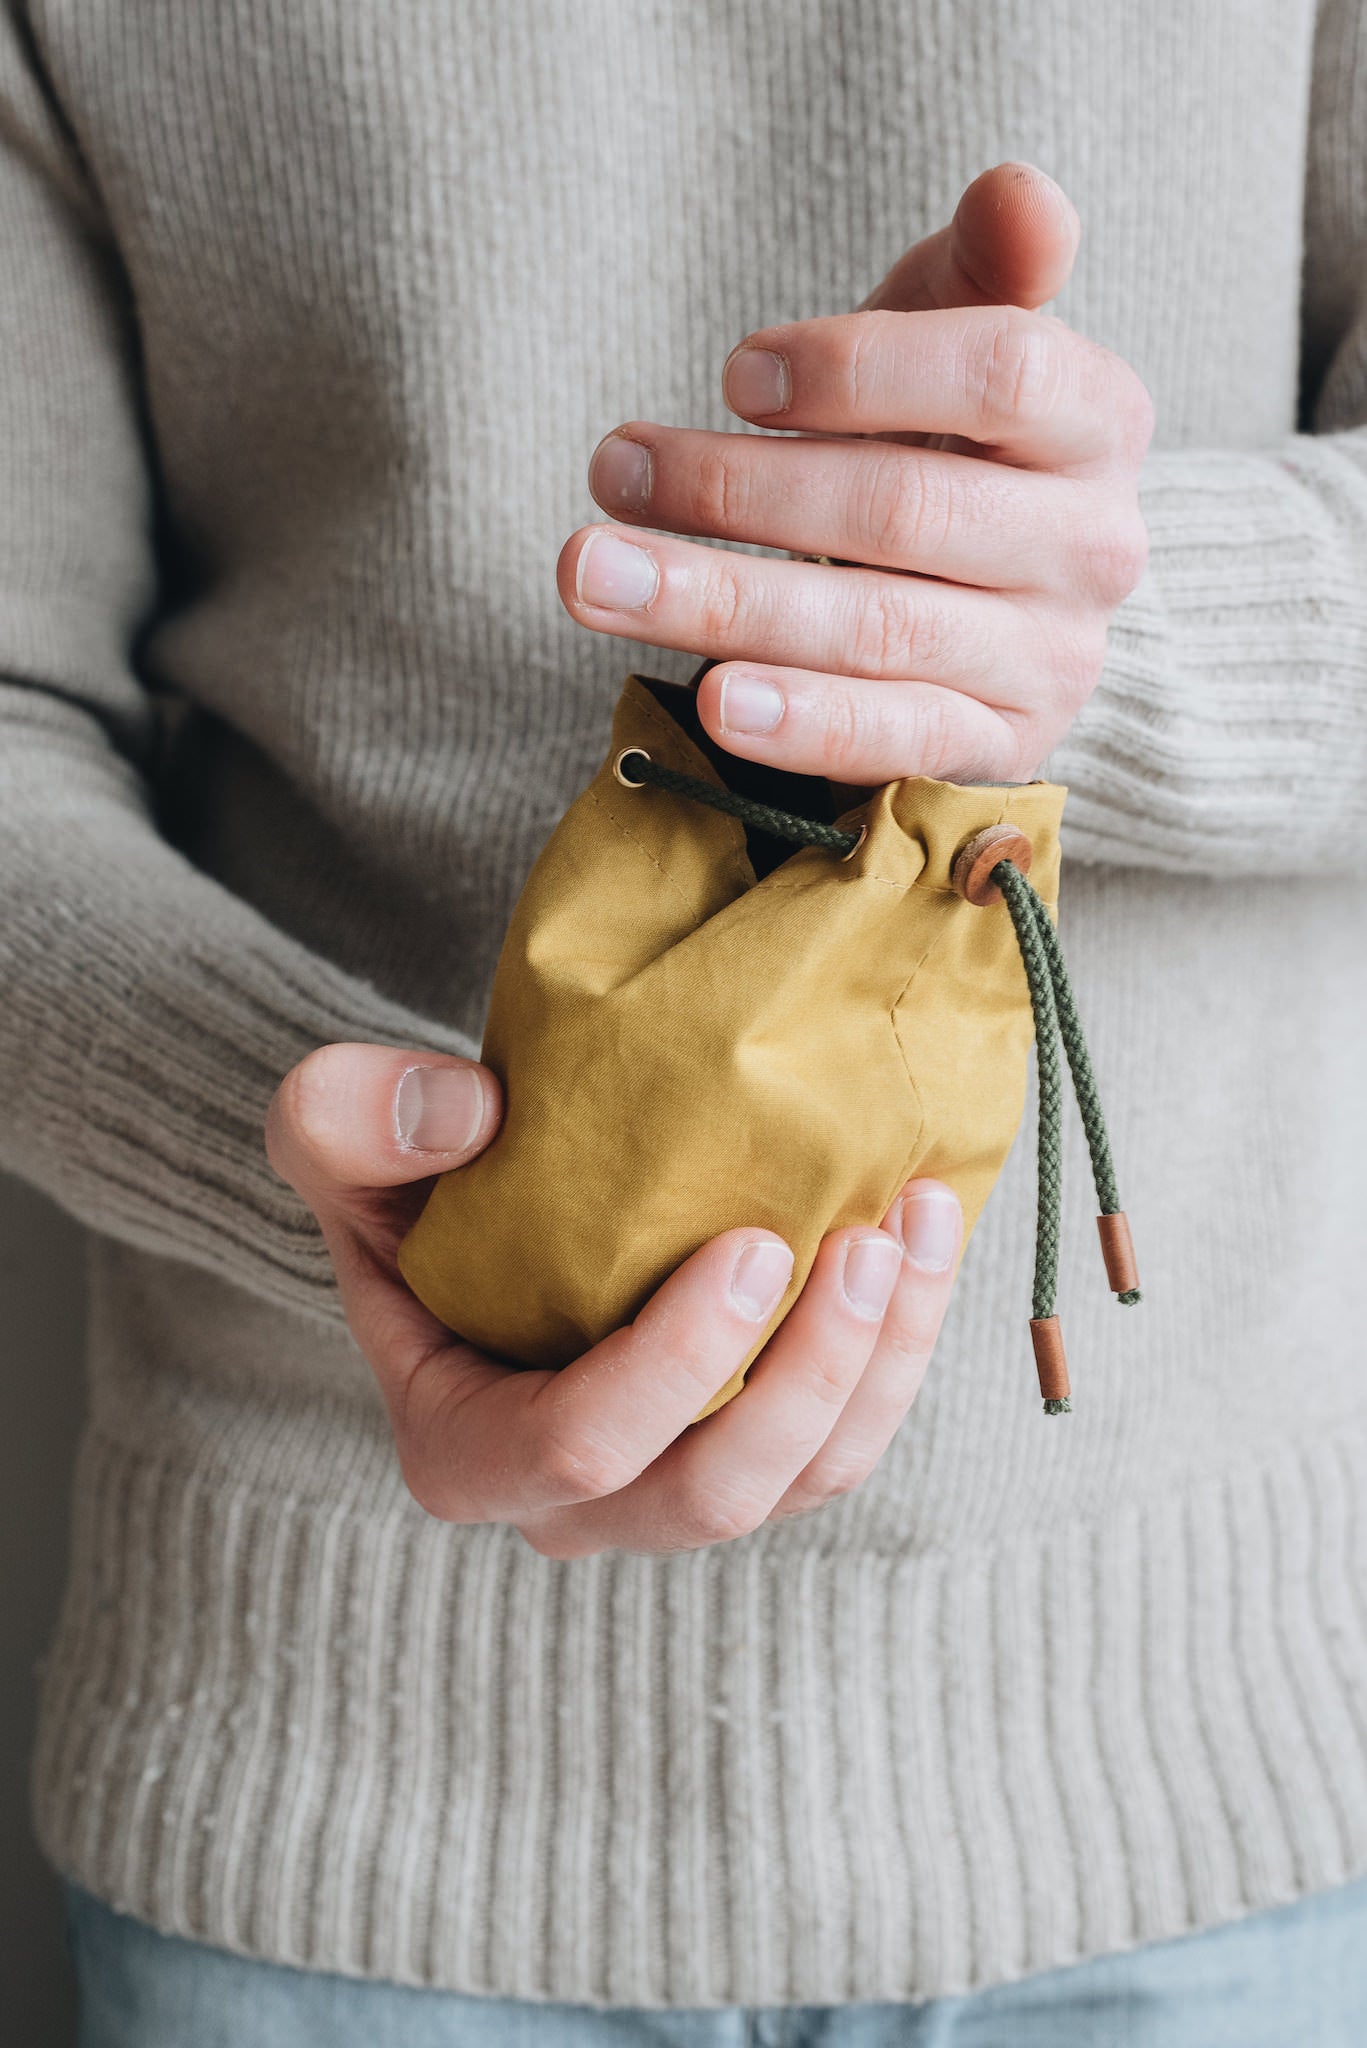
[(312, 317)]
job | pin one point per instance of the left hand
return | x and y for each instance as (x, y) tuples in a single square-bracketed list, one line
[(605, 1453), (978, 456)]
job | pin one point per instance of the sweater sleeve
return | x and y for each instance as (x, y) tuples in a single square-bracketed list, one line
[(1231, 718), (147, 1014)]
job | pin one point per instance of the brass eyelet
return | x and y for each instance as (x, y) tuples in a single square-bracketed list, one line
[(617, 766), (863, 835)]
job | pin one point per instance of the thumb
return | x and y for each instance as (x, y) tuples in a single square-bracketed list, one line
[(349, 1118), (1011, 242)]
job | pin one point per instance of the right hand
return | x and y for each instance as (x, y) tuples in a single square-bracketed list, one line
[(600, 1455)]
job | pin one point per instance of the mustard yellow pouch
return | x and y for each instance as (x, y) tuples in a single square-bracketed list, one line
[(687, 1045)]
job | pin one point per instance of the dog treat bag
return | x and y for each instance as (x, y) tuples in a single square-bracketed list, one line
[(699, 1024)]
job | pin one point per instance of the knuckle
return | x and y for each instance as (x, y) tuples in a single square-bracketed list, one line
[(1013, 371), (831, 1478), (846, 732), (1116, 557), (892, 636), (566, 1469), (722, 496), (863, 357), (830, 1379), (720, 601), (703, 1515), (917, 629), (937, 740), (1120, 396), (864, 730), (907, 509)]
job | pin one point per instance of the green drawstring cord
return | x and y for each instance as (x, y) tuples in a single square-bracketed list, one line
[(1049, 1069), (1055, 1010), (783, 824), (1056, 1021), (1080, 1065)]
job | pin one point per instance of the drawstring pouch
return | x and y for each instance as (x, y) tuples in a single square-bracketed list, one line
[(715, 1006)]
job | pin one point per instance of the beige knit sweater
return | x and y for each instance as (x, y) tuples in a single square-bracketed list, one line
[(312, 312)]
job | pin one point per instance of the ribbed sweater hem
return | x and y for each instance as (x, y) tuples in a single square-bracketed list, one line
[(890, 1777)]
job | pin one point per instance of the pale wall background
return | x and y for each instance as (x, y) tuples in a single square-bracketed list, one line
[(42, 1317)]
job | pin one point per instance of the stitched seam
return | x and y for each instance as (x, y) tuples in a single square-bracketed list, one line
[(936, 940), (665, 728), (642, 848), (883, 881)]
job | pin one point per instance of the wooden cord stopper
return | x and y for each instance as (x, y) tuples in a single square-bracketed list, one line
[(1117, 1249), (976, 858), (1050, 1362)]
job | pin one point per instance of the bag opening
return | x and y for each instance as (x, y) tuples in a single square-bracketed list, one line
[(808, 795)]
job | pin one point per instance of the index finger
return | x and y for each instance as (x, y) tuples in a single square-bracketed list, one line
[(480, 1443), (1020, 384)]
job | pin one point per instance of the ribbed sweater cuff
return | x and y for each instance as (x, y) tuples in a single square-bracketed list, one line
[(1228, 734), (149, 1018)]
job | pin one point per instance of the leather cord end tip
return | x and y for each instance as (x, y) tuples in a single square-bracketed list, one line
[(1050, 1360), (1117, 1249)]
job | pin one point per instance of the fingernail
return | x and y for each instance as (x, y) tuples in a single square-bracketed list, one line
[(928, 1225), (871, 1268), (749, 704), (756, 382), (761, 1273), (616, 573), (620, 473), (439, 1109)]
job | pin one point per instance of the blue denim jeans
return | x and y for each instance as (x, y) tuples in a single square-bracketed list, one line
[(1292, 1978)]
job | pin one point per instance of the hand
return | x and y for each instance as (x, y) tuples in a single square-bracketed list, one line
[(981, 457), (600, 1455)]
